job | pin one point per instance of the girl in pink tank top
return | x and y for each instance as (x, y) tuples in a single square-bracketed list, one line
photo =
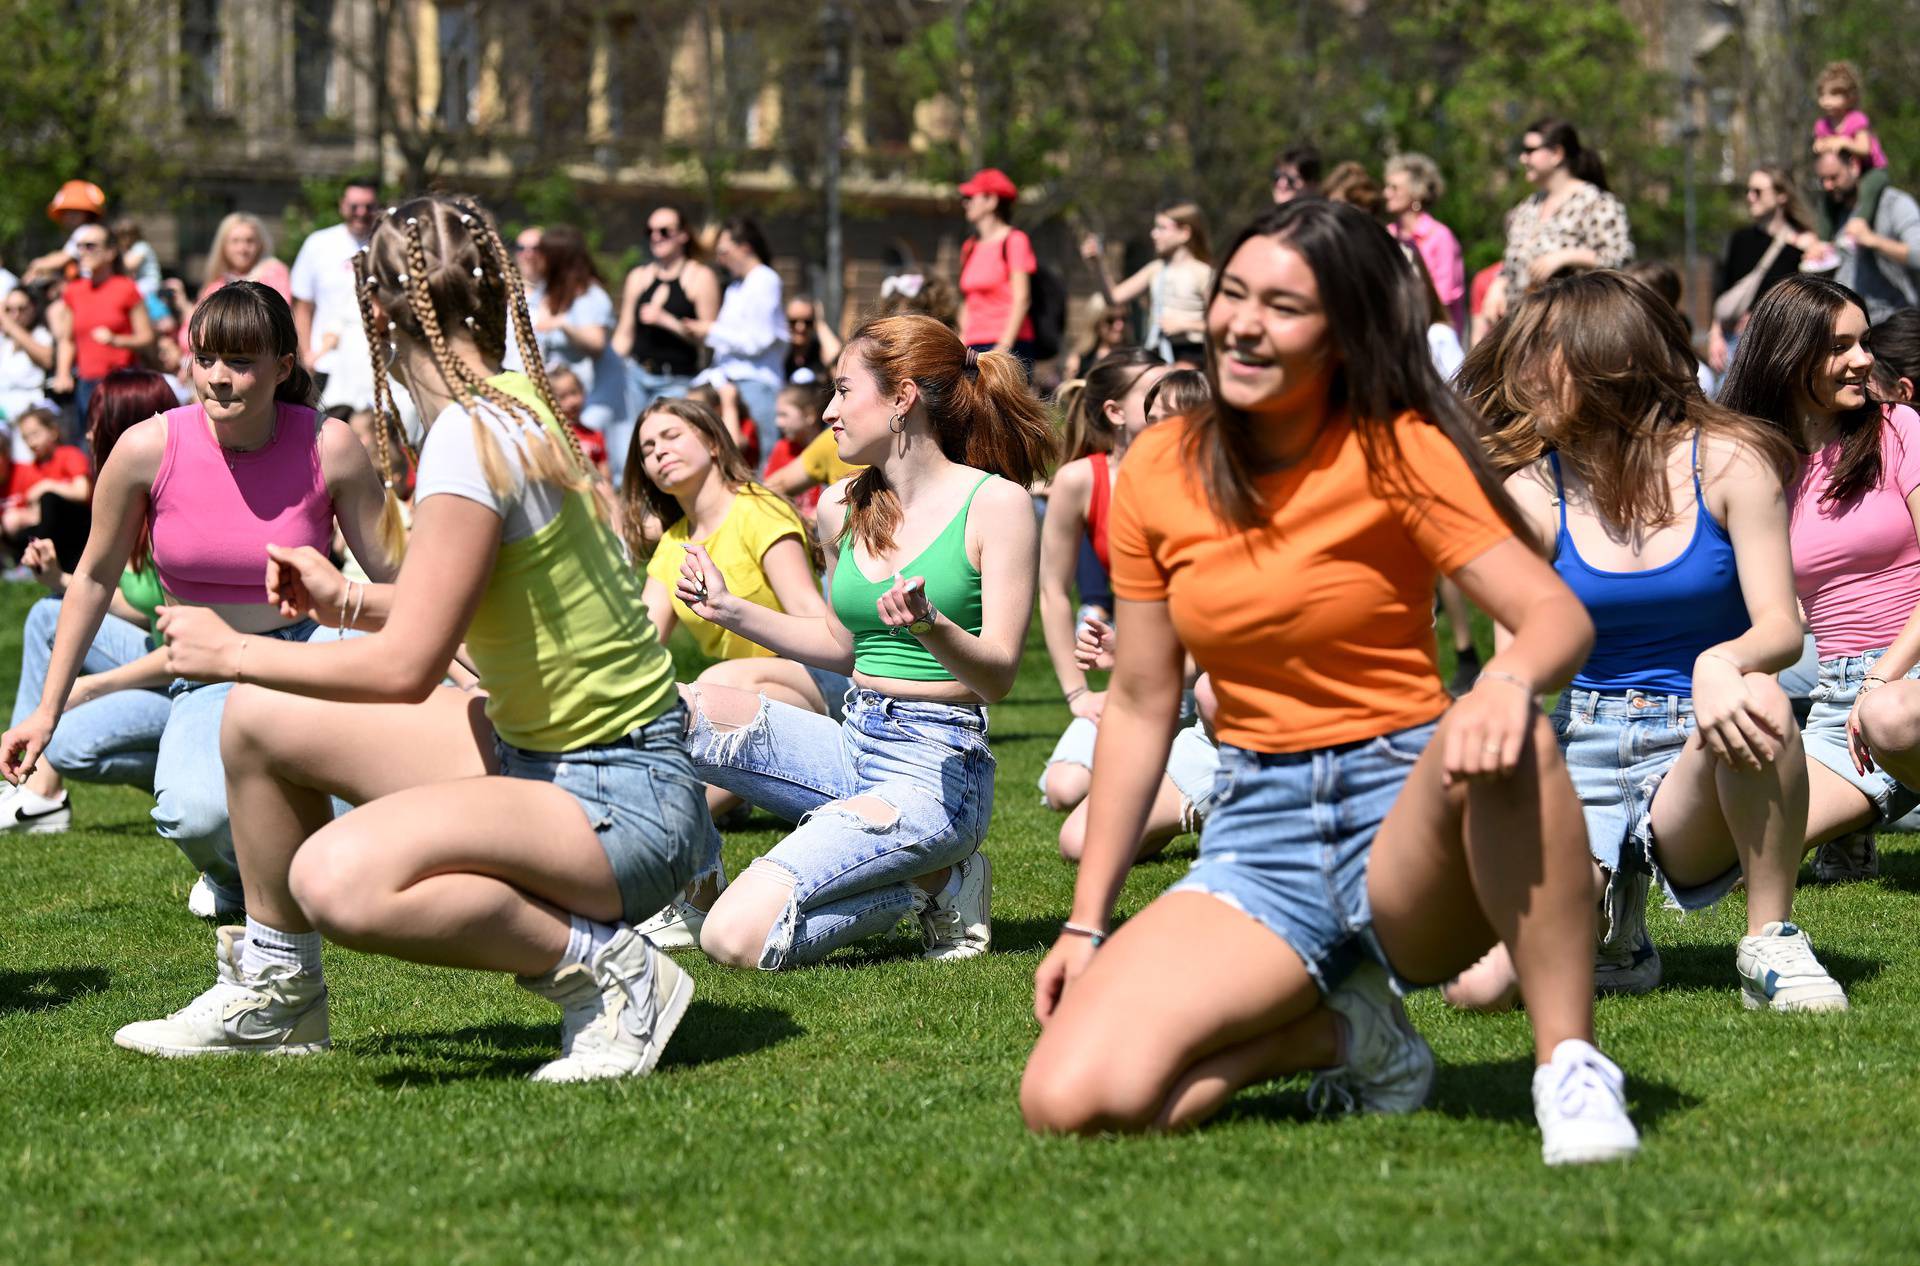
[(216, 510), (216, 482)]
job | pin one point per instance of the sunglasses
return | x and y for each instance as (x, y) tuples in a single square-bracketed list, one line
[(1291, 179), (1528, 149), (657, 234), (1757, 193), (800, 323)]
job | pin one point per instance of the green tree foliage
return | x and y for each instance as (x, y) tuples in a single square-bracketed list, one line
[(1114, 106), (75, 103)]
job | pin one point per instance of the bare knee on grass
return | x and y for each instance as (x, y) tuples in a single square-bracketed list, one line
[(1066, 785)]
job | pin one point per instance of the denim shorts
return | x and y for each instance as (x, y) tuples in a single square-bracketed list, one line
[(927, 764), (1618, 747), (1290, 837), (643, 800), (1193, 763), (1825, 734)]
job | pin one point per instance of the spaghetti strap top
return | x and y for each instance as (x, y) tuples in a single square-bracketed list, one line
[(1099, 504), (953, 586), (1651, 625), (215, 511)]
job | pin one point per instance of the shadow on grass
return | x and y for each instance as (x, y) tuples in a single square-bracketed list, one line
[(1709, 968), (1898, 869), (710, 1032), (1490, 1090), (48, 989)]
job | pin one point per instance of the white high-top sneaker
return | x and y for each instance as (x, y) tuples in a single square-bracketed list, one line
[(281, 1011), (643, 996)]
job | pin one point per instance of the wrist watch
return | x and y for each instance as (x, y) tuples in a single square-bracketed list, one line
[(920, 628)]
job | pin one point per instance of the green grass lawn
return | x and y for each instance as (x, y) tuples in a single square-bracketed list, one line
[(864, 1111)]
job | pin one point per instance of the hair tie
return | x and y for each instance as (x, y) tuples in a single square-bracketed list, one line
[(478, 273), (973, 364), (412, 220), (404, 279)]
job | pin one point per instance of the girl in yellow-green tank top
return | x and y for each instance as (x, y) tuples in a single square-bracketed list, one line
[(518, 828), (930, 599)]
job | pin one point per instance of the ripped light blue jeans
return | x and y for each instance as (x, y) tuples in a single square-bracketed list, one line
[(927, 762)]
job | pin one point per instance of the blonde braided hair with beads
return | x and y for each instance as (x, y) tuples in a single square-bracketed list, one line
[(435, 262)]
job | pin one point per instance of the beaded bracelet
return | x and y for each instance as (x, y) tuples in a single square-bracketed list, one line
[(1075, 693), (1093, 935)]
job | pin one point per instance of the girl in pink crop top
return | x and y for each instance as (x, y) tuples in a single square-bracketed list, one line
[(215, 510)]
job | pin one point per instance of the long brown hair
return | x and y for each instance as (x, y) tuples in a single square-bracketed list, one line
[(1083, 401), (1190, 217), (436, 263), (1799, 215), (644, 503), (1786, 341), (983, 416), (1598, 368), (571, 271), (1378, 329)]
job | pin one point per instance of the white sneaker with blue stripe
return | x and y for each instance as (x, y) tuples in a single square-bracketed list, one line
[(1778, 970)]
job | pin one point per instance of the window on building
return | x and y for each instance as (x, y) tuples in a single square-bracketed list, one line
[(202, 86), (459, 66), (313, 80)]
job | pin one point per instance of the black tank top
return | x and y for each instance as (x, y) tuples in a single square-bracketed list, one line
[(658, 350)]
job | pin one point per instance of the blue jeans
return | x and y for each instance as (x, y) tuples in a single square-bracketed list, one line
[(1290, 838), (190, 779), (643, 801), (643, 388), (1618, 748), (926, 762), (1825, 735), (113, 739)]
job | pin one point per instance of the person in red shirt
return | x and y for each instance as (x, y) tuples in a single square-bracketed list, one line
[(570, 394), (48, 496), (110, 322), (796, 415)]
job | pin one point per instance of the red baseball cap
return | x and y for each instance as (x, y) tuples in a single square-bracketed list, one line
[(991, 180)]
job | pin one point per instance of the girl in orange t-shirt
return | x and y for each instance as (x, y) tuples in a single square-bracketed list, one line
[(1364, 832)]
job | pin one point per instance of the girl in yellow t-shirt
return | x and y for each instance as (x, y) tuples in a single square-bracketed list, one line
[(688, 476)]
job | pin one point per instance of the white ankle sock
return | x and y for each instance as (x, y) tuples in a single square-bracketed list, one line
[(585, 939), (270, 947), (950, 889)]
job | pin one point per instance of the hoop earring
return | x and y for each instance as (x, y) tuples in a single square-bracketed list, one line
[(897, 424)]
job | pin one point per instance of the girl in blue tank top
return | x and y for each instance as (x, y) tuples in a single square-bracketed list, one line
[(1666, 514), (930, 599)]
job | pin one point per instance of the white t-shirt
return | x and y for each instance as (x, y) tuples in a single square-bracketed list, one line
[(8, 283), (749, 335), (323, 276), (1443, 344), (450, 463)]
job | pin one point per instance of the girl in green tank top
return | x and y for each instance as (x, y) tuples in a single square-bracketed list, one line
[(521, 831), (930, 599)]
